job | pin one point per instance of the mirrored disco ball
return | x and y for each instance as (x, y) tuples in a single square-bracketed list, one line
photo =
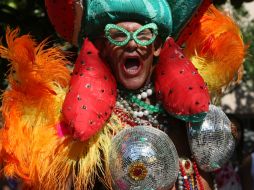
[(143, 158), (212, 143)]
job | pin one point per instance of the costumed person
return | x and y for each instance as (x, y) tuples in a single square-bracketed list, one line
[(136, 112)]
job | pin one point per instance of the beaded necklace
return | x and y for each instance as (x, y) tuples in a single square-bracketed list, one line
[(188, 176), (137, 111)]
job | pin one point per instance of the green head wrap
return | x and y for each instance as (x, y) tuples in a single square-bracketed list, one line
[(102, 12), (182, 12)]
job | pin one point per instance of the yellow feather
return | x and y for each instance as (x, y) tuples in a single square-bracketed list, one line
[(32, 150), (216, 49)]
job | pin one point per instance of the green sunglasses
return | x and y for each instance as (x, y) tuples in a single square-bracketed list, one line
[(119, 36)]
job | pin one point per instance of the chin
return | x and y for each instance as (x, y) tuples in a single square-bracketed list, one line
[(133, 84)]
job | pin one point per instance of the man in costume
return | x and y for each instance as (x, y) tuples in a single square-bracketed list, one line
[(130, 72)]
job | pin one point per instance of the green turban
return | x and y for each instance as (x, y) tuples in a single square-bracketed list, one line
[(101, 12), (169, 15)]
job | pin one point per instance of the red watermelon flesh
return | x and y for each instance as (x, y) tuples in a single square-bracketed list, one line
[(62, 16), (92, 94), (178, 84)]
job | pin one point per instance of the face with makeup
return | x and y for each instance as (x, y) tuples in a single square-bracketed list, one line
[(132, 60)]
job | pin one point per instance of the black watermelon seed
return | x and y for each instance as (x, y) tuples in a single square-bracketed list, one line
[(88, 85), (89, 68)]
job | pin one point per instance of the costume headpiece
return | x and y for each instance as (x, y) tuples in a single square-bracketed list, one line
[(71, 17), (101, 12)]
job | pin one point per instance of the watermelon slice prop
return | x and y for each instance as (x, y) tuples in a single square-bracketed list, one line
[(92, 94), (179, 86), (66, 17)]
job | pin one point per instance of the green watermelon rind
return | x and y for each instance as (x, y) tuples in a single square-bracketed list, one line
[(195, 118)]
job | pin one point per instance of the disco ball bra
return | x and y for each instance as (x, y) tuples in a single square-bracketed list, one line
[(212, 143), (145, 158)]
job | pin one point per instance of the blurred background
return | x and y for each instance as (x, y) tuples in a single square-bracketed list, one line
[(238, 103)]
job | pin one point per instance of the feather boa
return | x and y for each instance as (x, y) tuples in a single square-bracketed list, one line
[(31, 146)]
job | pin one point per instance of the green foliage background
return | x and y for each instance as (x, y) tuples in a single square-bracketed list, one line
[(30, 17)]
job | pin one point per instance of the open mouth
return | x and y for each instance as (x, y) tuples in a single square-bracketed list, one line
[(132, 66)]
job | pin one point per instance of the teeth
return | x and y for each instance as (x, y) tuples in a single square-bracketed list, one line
[(133, 68)]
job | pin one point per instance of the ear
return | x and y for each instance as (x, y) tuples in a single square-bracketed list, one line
[(157, 46)]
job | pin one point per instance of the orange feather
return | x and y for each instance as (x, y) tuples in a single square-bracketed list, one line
[(216, 49), (38, 81), (32, 149), (33, 68)]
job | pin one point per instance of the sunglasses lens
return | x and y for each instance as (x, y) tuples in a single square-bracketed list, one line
[(145, 35), (117, 35)]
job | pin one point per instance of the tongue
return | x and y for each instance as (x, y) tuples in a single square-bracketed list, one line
[(131, 64)]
